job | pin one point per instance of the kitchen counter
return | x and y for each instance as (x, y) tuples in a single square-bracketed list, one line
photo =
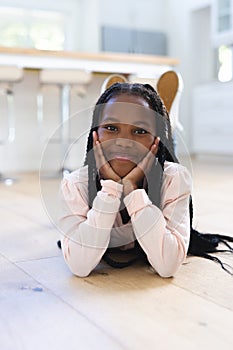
[(102, 62)]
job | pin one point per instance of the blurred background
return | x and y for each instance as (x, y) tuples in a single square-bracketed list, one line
[(198, 33)]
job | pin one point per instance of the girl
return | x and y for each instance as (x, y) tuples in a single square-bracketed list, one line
[(131, 195)]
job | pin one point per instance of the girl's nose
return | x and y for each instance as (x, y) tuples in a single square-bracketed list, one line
[(124, 142)]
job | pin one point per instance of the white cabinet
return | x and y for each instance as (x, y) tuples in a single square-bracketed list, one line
[(222, 22), (212, 126)]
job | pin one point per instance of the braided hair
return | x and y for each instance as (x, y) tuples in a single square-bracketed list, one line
[(200, 244)]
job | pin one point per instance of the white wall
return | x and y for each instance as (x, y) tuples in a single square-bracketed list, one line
[(212, 112), (88, 28), (147, 14)]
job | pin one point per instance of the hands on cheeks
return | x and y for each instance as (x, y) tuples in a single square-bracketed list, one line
[(135, 176)]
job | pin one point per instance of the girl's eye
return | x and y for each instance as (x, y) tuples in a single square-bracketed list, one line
[(111, 128), (140, 131)]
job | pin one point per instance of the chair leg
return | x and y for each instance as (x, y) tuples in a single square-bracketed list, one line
[(65, 124), (7, 180), (64, 128)]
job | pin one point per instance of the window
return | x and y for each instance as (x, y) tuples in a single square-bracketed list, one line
[(224, 15), (225, 60), (44, 30), (222, 37), (222, 22)]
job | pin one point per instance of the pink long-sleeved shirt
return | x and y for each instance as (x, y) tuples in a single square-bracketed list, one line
[(162, 233)]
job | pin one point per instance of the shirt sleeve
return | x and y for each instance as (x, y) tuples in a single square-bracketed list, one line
[(164, 233), (86, 232)]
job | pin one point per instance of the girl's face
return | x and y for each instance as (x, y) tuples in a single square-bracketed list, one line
[(126, 132)]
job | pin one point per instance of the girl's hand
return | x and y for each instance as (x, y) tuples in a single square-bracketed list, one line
[(131, 180), (103, 166)]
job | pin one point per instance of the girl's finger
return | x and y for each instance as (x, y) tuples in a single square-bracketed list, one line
[(146, 163), (99, 156), (104, 168), (155, 146), (95, 137)]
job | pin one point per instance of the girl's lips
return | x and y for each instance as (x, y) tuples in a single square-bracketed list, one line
[(123, 157)]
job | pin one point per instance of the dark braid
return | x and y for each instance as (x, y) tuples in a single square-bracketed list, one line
[(200, 244)]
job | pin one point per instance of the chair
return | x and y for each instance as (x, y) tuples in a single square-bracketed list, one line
[(8, 76), (112, 79), (170, 86), (64, 80)]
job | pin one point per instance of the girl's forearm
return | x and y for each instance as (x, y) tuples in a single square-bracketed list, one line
[(86, 238), (164, 239)]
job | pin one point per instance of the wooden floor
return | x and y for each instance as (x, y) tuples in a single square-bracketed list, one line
[(42, 306)]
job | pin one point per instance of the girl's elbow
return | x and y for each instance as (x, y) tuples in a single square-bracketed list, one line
[(166, 270), (169, 270), (80, 271), (164, 273), (79, 268)]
